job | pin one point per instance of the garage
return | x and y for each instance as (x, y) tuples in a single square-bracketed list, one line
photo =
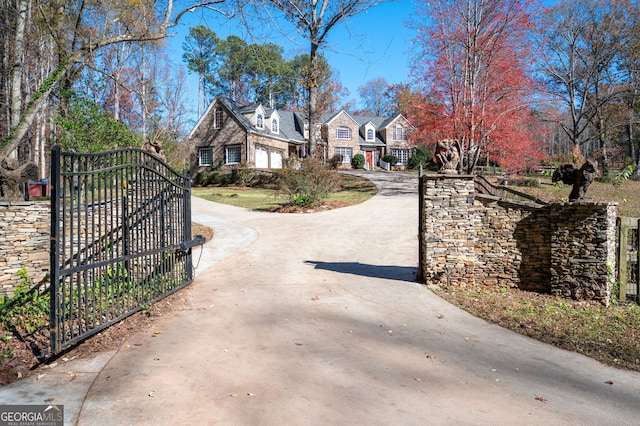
[(262, 158), (276, 159)]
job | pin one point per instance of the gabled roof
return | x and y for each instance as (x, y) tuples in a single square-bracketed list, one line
[(362, 131), (328, 118), (291, 128), (292, 124)]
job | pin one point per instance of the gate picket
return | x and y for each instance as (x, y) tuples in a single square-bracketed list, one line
[(628, 258), (120, 238)]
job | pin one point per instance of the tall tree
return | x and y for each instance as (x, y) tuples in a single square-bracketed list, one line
[(314, 19), (200, 54), (631, 66), (272, 78), (80, 29), (374, 95), (472, 65), (329, 88), (232, 70), (582, 47)]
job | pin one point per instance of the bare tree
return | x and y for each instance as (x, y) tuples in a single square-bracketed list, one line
[(581, 51), (79, 30), (375, 97)]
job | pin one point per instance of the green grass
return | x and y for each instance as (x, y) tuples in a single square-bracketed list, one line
[(354, 190), (249, 198)]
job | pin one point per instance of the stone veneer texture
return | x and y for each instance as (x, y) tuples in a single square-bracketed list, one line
[(566, 249)]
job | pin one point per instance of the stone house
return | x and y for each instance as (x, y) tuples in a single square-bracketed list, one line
[(229, 134), (344, 135)]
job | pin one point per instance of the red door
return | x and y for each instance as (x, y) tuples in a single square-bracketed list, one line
[(369, 159)]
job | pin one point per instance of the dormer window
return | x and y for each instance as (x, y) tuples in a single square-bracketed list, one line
[(343, 133), (260, 121), (399, 133), (370, 134), (274, 125)]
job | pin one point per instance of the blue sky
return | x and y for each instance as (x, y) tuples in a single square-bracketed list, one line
[(370, 45)]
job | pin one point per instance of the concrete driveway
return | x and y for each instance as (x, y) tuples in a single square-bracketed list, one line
[(316, 319)]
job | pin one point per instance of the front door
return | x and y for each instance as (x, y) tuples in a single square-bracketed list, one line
[(369, 159)]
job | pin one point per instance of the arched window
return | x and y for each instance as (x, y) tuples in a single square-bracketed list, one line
[(274, 125), (260, 122), (370, 134)]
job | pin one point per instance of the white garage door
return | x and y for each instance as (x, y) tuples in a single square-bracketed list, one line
[(276, 160), (262, 158)]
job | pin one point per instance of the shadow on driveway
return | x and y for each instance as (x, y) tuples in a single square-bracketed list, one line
[(400, 273)]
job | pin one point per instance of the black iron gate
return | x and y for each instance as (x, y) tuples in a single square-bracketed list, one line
[(120, 238)]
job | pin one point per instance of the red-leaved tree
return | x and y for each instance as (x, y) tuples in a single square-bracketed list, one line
[(472, 67)]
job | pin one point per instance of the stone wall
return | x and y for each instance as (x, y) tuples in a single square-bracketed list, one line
[(24, 242), (449, 230), (566, 249)]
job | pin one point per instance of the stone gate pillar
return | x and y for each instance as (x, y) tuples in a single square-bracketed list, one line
[(448, 230)]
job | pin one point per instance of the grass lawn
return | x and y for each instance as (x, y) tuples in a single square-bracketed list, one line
[(626, 195), (353, 190)]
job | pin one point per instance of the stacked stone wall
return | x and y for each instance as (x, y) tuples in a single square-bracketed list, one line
[(24, 242), (566, 249), (449, 230)]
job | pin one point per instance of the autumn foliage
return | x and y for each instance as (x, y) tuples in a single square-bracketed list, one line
[(475, 87)]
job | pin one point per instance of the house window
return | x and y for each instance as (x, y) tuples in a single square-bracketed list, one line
[(343, 132), (399, 133), (345, 154), (217, 118), (205, 157), (370, 134), (260, 122), (274, 125), (233, 154), (402, 155)]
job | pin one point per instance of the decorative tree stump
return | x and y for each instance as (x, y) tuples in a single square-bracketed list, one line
[(580, 179), (13, 176)]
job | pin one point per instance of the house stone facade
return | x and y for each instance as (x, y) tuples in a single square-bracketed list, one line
[(230, 134)]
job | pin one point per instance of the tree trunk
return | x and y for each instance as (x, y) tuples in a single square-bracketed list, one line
[(16, 72), (143, 93), (313, 97), (18, 56)]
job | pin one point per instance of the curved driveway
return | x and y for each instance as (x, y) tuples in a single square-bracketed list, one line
[(316, 319)]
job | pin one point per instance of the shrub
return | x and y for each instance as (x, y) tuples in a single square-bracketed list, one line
[(241, 175), (28, 310), (358, 161), (391, 159), (335, 161), (310, 184), (421, 157), (212, 178)]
